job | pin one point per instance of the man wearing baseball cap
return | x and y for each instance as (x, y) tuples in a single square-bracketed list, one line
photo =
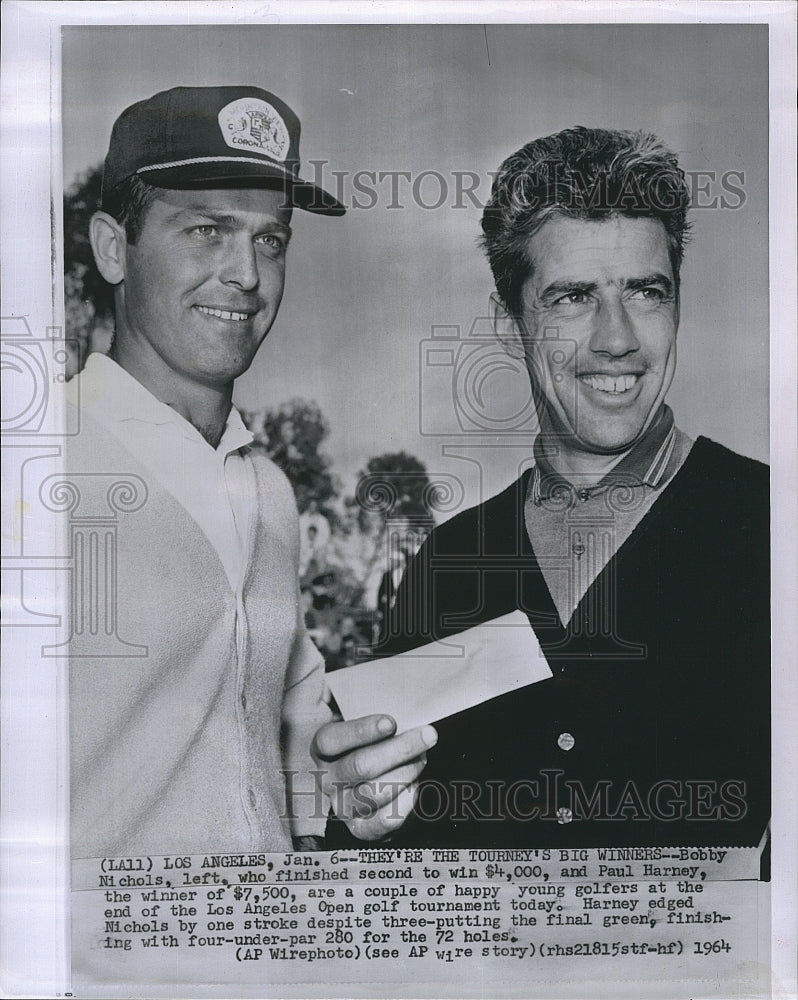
[(192, 721)]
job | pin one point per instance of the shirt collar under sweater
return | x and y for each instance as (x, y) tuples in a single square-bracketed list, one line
[(649, 463), (211, 484), (102, 380)]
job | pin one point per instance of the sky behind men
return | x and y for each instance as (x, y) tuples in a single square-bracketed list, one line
[(541, 78)]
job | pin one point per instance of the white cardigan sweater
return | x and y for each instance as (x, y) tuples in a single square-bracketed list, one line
[(183, 750)]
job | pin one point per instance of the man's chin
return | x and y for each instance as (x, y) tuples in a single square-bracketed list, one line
[(595, 441), (609, 437), (223, 373), (607, 447)]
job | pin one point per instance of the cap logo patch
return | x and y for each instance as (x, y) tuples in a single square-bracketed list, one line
[(252, 124)]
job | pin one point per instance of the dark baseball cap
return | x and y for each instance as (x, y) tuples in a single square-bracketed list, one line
[(188, 137)]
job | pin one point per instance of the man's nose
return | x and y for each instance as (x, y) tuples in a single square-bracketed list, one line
[(240, 265), (613, 330)]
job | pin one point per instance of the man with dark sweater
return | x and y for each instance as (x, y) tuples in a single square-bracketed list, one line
[(640, 556)]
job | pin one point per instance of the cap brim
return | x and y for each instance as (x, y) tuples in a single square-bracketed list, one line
[(300, 194)]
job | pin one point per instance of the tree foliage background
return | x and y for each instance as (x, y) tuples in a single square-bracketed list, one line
[(395, 486), (89, 299), (389, 510), (292, 436)]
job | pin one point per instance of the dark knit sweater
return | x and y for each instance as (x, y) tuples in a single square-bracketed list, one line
[(662, 677)]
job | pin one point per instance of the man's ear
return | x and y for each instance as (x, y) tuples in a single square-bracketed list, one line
[(507, 328), (108, 244)]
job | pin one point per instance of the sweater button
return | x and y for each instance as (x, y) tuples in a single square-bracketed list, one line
[(565, 741), (564, 815)]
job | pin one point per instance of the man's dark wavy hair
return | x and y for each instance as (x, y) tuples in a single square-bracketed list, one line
[(580, 173)]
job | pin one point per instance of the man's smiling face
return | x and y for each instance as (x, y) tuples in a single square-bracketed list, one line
[(600, 314), (203, 283)]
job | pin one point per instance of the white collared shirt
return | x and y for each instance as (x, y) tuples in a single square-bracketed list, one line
[(213, 485)]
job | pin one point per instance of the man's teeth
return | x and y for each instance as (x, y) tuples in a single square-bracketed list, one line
[(223, 314), (610, 383)]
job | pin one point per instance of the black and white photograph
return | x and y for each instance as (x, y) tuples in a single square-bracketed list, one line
[(399, 468)]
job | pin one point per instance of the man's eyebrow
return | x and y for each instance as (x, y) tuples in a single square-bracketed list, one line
[(279, 229), (285, 229), (657, 278), (563, 287)]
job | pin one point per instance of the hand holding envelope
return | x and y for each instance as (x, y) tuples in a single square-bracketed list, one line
[(370, 774), (446, 677)]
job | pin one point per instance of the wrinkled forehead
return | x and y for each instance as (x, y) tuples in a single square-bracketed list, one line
[(615, 249)]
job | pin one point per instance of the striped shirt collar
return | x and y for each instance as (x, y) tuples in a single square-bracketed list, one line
[(647, 464)]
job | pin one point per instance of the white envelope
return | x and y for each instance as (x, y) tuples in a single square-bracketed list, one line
[(442, 678)]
